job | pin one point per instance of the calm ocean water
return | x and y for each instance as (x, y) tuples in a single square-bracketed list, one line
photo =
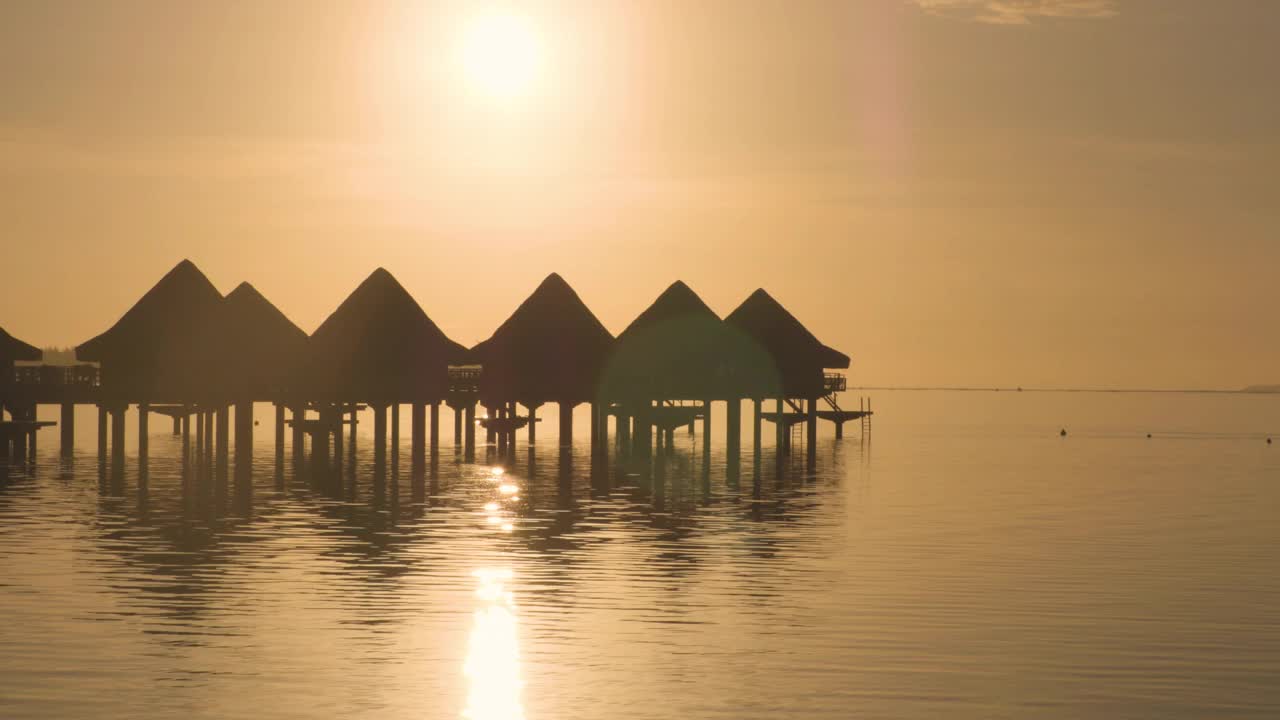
[(965, 563)]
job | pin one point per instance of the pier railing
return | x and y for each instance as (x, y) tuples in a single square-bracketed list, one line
[(70, 376), (464, 378), (835, 382)]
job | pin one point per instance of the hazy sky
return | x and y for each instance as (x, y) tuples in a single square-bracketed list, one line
[(1035, 192)]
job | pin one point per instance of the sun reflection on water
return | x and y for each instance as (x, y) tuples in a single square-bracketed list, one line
[(493, 654)]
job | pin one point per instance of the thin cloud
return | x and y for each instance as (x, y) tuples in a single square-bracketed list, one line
[(1018, 12)]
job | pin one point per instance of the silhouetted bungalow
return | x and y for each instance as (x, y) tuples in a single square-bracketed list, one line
[(153, 352), (14, 350), (551, 349), (679, 349), (380, 347), (797, 356), (259, 350)]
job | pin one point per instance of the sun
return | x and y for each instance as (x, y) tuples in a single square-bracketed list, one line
[(501, 55)]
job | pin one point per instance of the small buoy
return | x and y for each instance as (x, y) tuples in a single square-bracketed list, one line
[(1268, 441), (1063, 433), (255, 423), (1148, 436)]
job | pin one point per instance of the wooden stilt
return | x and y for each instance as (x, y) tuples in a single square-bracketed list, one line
[(490, 412), (469, 432), (418, 439), (144, 433), (67, 426), (395, 440), (117, 441), (500, 436), (457, 426), (223, 440), (380, 442), (595, 431), (642, 442), (435, 437), (566, 424), (706, 434), (512, 413), (602, 412), (102, 434), (321, 454), (333, 416), (279, 433), (733, 436), (780, 428), (244, 444), (756, 433), (200, 438), (623, 420), (811, 431), (208, 444), (533, 423), (298, 413), (353, 423)]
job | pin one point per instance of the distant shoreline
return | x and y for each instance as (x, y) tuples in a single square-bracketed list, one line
[(1245, 391)]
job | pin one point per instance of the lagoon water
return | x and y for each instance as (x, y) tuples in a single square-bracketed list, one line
[(965, 562)]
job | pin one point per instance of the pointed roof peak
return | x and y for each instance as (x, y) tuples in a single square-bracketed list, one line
[(382, 280), (764, 318), (554, 280), (680, 296), (182, 294), (678, 300), (185, 269), (244, 288)]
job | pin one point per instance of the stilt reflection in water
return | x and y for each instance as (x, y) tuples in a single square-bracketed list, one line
[(493, 657)]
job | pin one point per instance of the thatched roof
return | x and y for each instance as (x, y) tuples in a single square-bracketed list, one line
[(552, 348), (156, 351), (678, 348), (164, 314), (379, 346), (11, 349), (789, 342), (259, 349)]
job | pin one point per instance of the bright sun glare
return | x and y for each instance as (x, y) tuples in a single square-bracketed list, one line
[(501, 55)]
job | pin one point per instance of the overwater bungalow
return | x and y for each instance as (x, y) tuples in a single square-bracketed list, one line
[(798, 359), (379, 347), (259, 350), (551, 349), (154, 352), (679, 349)]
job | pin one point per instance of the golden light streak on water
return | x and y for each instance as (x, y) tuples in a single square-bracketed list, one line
[(493, 658)]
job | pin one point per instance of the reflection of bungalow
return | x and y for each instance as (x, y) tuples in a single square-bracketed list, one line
[(678, 349), (551, 349), (798, 358), (379, 347), (258, 349), (153, 352)]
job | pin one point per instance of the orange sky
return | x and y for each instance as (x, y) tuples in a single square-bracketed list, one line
[(970, 192)]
